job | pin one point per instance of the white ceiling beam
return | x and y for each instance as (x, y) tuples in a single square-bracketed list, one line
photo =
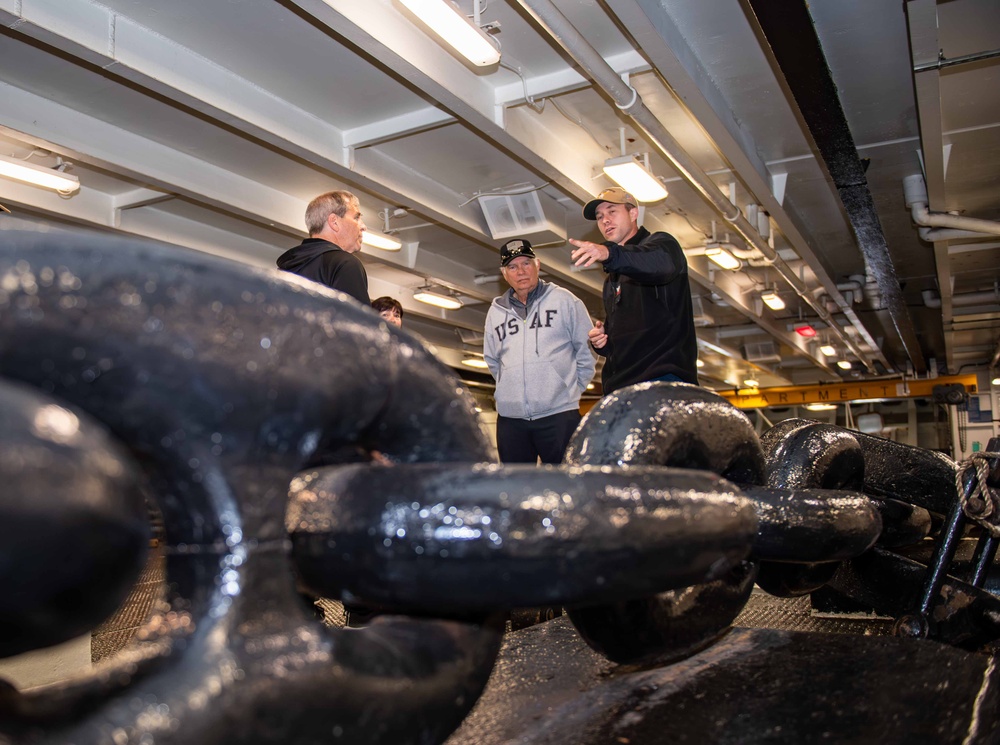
[(395, 127), (87, 139), (565, 80)]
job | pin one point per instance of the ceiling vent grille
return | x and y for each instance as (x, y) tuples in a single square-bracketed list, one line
[(701, 318), (762, 352), (519, 215)]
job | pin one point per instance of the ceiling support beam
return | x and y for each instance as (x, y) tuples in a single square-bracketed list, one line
[(791, 35)]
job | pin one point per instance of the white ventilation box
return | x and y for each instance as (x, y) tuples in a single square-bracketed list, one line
[(523, 215), (762, 352), (701, 318)]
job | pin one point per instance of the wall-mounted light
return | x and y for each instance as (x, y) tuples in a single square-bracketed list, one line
[(477, 362), (844, 364), (437, 299), (50, 178), (723, 258), (805, 330), (772, 300), (828, 350), (635, 178), (377, 240), (448, 22)]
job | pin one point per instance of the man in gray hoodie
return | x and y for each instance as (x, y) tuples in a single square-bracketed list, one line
[(537, 349)]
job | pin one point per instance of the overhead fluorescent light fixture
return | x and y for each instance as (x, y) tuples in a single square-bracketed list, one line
[(455, 30), (699, 362), (844, 364), (437, 299), (996, 380), (751, 383), (49, 178), (635, 178), (377, 240), (723, 258), (821, 407), (772, 300), (828, 350), (477, 362), (805, 330)]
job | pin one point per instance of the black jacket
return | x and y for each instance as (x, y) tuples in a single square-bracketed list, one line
[(328, 264), (649, 320)]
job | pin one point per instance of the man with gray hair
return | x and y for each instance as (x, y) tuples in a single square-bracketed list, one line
[(327, 255)]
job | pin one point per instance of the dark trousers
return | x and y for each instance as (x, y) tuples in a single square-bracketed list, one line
[(523, 441)]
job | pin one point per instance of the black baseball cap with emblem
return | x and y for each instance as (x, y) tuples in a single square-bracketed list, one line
[(512, 249)]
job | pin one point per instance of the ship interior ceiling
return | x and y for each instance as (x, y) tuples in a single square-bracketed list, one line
[(845, 156)]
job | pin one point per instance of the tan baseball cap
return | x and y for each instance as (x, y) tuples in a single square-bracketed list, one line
[(615, 195)]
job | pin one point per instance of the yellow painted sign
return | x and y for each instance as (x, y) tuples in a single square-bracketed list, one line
[(754, 398)]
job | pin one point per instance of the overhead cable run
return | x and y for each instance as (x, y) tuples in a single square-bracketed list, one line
[(630, 103)]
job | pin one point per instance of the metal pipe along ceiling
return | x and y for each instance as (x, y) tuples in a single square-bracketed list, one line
[(789, 30), (630, 103)]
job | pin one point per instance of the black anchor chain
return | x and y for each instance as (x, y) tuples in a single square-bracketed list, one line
[(218, 382), (683, 425)]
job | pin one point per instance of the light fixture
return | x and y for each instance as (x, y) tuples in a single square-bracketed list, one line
[(751, 383), (699, 362), (377, 240), (723, 258), (476, 362), (50, 178), (635, 178), (804, 329), (828, 349), (820, 407), (437, 299), (590, 386), (448, 22), (772, 300), (996, 380), (844, 364)]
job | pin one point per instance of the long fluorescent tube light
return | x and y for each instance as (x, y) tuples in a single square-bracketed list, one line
[(635, 178), (828, 350), (377, 240), (437, 299), (457, 31), (820, 407), (772, 300), (38, 175), (723, 258), (476, 362)]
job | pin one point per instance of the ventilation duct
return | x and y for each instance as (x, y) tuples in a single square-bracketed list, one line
[(523, 215), (762, 353)]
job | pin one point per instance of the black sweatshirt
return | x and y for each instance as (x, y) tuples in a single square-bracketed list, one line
[(328, 264)]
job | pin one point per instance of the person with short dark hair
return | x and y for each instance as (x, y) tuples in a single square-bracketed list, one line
[(536, 348), (327, 255), (390, 309), (648, 332)]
